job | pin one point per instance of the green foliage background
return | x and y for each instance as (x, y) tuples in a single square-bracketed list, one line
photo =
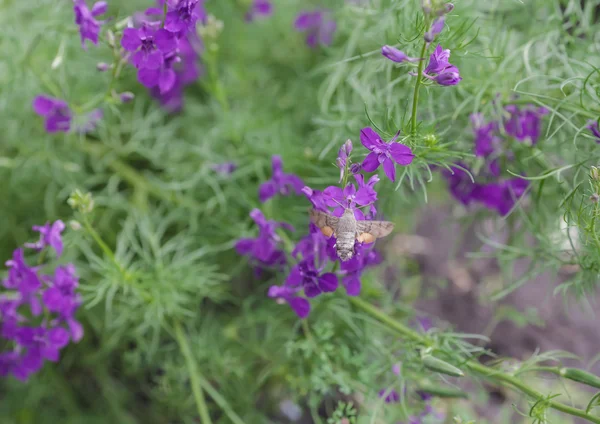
[(172, 221)]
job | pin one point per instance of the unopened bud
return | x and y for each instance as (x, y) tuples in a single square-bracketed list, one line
[(103, 67), (126, 96), (110, 38), (449, 7), (595, 198), (75, 225), (430, 139), (355, 168), (581, 376), (594, 173), (348, 147), (80, 201)]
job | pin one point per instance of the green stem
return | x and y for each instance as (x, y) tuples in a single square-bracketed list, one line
[(485, 371), (413, 119), (194, 374)]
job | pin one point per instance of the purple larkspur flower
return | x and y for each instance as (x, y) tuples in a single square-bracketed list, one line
[(280, 182), (310, 276), (352, 269), (383, 153), (182, 15), (486, 139), (299, 305), (148, 45), (89, 27), (439, 68), (460, 184), (395, 55), (315, 244), (317, 198), (351, 197), (25, 280), (389, 396), (318, 26), (593, 127), (524, 124), (502, 195), (56, 111), (342, 158), (163, 77), (263, 248), (50, 235), (259, 8)]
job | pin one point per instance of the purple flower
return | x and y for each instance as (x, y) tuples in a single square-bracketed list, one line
[(396, 55), (351, 270), (524, 124), (259, 8), (182, 15), (299, 305), (486, 140), (308, 275), (264, 248), (342, 158), (317, 198), (148, 45), (384, 153), (25, 280), (593, 127), (501, 196), (460, 184), (390, 396), (89, 28), (163, 77), (318, 27), (280, 182), (350, 197), (50, 235), (440, 69), (57, 113)]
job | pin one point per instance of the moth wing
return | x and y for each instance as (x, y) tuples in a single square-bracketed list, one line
[(369, 231), (327, 223)]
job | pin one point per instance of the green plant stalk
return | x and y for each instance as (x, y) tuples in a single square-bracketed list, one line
[(194, 374), (413, 119), (485, 371)]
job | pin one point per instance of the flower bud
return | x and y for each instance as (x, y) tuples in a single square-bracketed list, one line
[(396, 55), (448, 78), (102, 67), (449, 7), (348, 147), (355, 168), (80, 201), (436, 28), (594, 174), (75, 225), (435, 364), (126, 96), (581, 376), (595, 197)]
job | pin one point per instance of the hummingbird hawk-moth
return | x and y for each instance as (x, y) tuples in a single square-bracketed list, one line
[(347, 229)]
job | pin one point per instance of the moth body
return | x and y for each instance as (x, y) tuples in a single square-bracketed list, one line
[(345, 235)]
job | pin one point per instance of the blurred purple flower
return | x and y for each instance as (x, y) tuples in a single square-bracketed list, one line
[(593, 127), (436, 28), (440, 69), (318, 27), (501, 196), (390, 396), (351, 198), (309, 275), (89, 28), (50, 235), (460, 183), (264, 248), (225, 168), (259, 8), (280, 182), (342, 158), (299, 305), (396, 55), (351, 270), (182, 15), (524, 124), (384, 153), (317, 198), (486, 140), (56, 111)]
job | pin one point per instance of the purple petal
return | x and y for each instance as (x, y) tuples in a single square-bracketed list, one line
[(371, 162), (131, 39), (43, 105), (153, 60), (328, 282), (57, 123), (76, 329), (349, 190), (312, 290), (365, 196), (244, 246), (294, 181), (173, 23), (149, 77), (165, 41), (166, 81), (352, 285), (402, 154), (369, 138), (99, 8), (300, 306), (359, 215), (58, 337), (266, 191), (294, 278), (307, 20), (389, 167)]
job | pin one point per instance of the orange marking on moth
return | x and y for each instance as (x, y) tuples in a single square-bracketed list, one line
[(327, 231), (366, 238)]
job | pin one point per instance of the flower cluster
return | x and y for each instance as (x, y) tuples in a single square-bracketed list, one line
[(280, 182), (59, 117), (37, 310), (318, 26), (439, 68), (259, 8), (491, 190), (89, 27)]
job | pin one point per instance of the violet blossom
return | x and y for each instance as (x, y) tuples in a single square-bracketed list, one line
[(343, 155), (89, 28), (50, 235), (309, 275), (318, 26), (593, 127), (351, 197), (182, 15), (280, 182), (436, 28), (439, 68), (352, 270), (56, 111), (225, 168), (395, 55), (524, 124), (383, 153), (299, 305), (259, 8), (264, 249), (148, 45), (37, 311)]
